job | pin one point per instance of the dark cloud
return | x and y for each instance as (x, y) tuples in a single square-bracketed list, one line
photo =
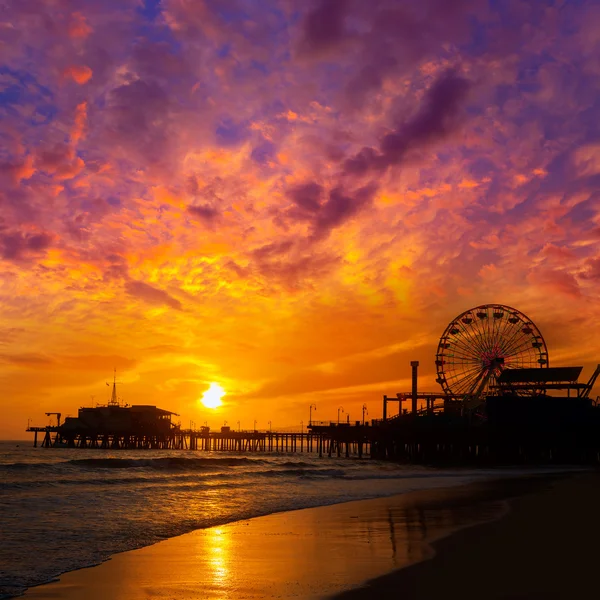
[(139, 118), (274, 249), (323, 27), (206, 213), (307, 196), (150, 294), (158, 59), (340, 207), (434, 121), (59, 160), (384, 38), (324, 216), (17, 245), (136, 106)]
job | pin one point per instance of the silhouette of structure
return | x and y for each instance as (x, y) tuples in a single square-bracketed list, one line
[(500, 402)]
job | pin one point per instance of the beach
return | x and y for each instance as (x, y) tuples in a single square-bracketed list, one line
[(422, 543), (544, 547)]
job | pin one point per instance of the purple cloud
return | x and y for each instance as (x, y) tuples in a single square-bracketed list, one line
[(17, 245), (435, 120), (204, 212), (323, 27), (307, 196), (340, 207), (152, 295)]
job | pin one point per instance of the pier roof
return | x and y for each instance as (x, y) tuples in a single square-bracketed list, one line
[(537, 375)]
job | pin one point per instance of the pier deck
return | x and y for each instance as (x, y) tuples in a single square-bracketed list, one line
[(350, 441)]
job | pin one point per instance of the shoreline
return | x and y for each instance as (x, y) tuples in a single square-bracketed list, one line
[(323, 550), (536, 550)]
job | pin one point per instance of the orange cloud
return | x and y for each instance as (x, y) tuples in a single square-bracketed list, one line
[(79, 27), (81, 74)]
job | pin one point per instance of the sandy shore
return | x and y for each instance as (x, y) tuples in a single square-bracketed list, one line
[(320, 552), (545, 547)]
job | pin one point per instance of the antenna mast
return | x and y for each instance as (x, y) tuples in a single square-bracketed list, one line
[(113, 399)]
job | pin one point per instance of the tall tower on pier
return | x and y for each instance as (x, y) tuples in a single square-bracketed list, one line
[(113, 398)]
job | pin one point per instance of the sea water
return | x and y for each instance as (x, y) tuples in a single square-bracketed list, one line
[(64, 509)]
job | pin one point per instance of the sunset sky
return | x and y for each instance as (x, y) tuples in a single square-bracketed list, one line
[(289, 198)]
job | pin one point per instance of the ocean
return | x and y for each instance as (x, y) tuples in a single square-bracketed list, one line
[(65, 509)]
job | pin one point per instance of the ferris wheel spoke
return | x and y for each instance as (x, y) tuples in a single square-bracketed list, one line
[(519, 360), (487, 333), (516, 336), (466, 359), (509, 337), (510, 329), (458, 382), (466, 348), (465, 372), (533, 336), (518, 348), (465, 354), (488, 326), (513, 347), (474, 339), (469, 384), (478, 330), (504, 330)]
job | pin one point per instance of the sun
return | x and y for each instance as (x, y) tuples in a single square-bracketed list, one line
[(212, 396)]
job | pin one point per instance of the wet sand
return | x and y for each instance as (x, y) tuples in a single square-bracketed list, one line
[(320, 552), (545, 547)]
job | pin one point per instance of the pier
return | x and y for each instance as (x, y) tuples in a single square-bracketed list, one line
[(326, 440), (498, 404)]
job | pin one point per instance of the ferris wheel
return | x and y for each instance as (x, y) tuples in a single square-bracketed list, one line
[(481, 343)]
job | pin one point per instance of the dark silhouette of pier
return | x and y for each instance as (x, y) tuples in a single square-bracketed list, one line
[(498, 404), (326, 440)]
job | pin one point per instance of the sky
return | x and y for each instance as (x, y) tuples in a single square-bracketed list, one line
[(289, 198)]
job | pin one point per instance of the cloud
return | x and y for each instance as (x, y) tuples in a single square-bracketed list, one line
[(592, 269), (60, 161), (81, 74), (340, 207), (344, 173), (18, 170), (18, 245), (206, 213), (434, 120), (27, 360), (307, 196), (323, 26), (556, 281), (138, 122), (79, 27), (152, 295)]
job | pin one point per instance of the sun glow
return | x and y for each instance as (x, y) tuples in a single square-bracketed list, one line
[(212, 396)]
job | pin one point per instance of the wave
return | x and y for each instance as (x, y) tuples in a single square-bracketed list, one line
[(161, 464), (306, 473)]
